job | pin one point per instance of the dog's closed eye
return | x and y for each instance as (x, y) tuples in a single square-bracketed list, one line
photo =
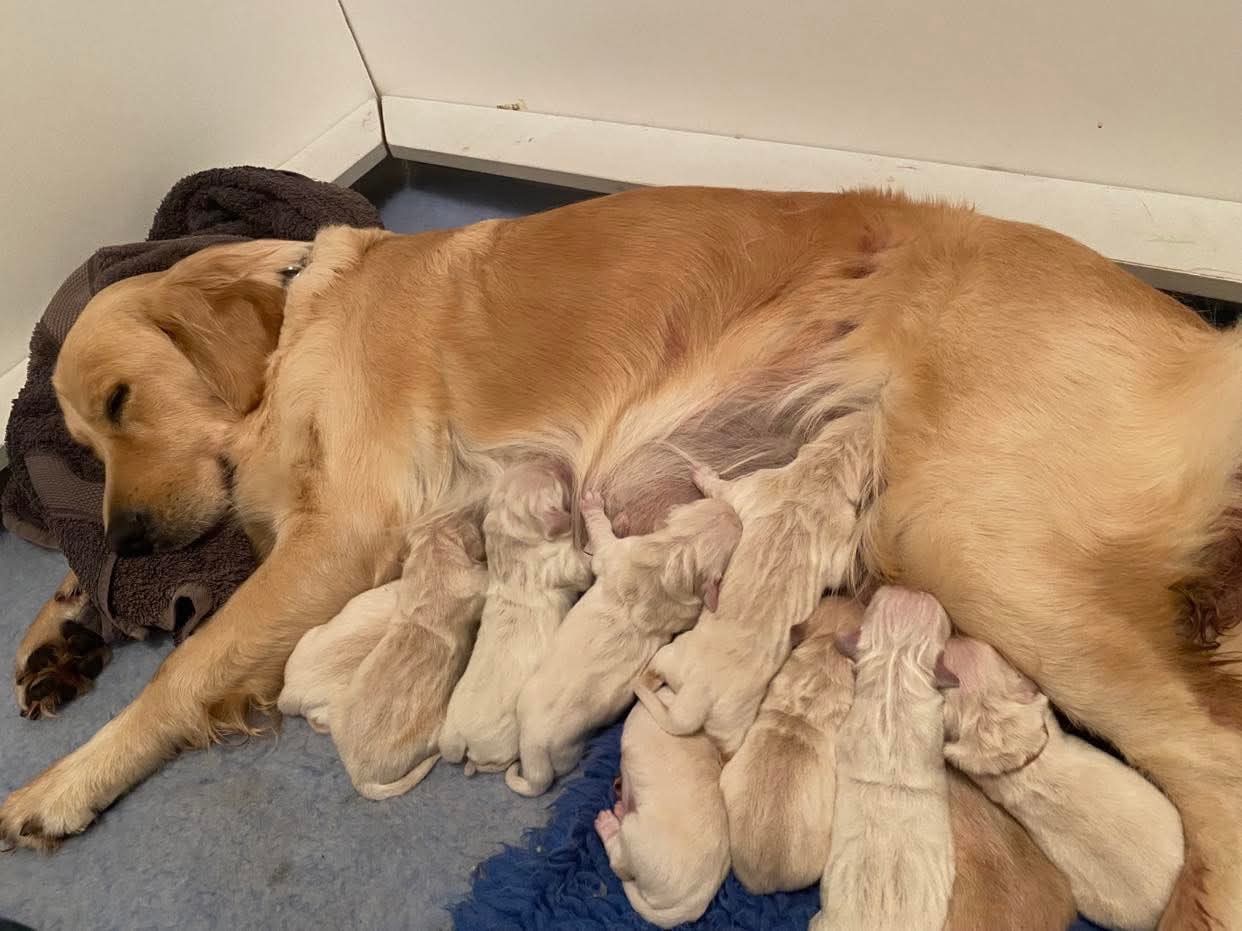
[(116, 403)]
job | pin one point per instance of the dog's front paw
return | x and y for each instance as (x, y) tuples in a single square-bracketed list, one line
[(60, 670), (42, 814)]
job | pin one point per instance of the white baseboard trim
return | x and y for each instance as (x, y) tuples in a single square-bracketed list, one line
[(1172, 240), (352, 147)]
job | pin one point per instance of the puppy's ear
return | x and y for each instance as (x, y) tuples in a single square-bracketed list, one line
[(710, 590), (556, 522), (223, 308), (799, 632), (847, 641), (943, 676)]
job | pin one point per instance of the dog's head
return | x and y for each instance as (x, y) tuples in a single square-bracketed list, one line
[(156, 371)]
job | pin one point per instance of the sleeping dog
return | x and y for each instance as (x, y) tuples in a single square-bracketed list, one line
[(1058, 447)]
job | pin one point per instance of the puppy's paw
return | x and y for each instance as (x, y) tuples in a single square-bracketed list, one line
[(42, 814), (607, 825), (60, 670), (707, 480), (592, 502)]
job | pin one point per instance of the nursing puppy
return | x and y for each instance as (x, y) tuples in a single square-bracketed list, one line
[(780, 787), (890, 865), (1112, 833), (798, 540), (1002, 879), (667, 837), (387, 722), (535, 572), (647, 589), (327, 656)]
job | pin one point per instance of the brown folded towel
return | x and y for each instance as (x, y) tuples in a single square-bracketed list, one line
[(55, 490)]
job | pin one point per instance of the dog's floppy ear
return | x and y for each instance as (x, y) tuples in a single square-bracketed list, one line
[(223, 307)]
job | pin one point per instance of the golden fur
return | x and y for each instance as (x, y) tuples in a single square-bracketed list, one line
[(1059, 441), (1002, 879)]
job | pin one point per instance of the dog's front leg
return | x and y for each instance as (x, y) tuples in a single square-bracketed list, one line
[(58, 658), (202, 689)]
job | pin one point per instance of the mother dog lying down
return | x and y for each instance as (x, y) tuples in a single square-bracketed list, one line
[(1056, 444)]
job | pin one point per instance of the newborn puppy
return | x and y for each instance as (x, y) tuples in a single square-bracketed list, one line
[(387, 722), (1112, 833), (667, 837), (780, 787), (890, 866), (327, 656), (800, 523), (1002, 878), (646, 590), (535, 574)]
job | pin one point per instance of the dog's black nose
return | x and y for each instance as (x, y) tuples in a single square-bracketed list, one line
[(129, 533)]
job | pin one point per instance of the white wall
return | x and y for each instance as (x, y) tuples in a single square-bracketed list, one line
[(106, 104), (1143, 94)]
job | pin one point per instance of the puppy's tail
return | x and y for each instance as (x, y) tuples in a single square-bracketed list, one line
[(452, 743), (378, 791), (680, 718), (533, 774)]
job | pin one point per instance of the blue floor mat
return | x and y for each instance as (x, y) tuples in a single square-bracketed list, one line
[(558, 878)]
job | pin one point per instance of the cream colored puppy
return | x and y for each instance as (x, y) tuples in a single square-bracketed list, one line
[(800, 524), (780, 787), (890, 865), (535, 572), (1110, 831), (327, 656), (646, 589), (387, 722), (668, 836)]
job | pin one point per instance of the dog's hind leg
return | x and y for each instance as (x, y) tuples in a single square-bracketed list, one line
[(204, 688)]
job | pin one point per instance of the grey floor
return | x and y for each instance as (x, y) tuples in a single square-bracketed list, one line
[(269, 833)]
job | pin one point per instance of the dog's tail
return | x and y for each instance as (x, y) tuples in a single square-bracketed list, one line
[(681, 717), (531, 775), (378, 791)]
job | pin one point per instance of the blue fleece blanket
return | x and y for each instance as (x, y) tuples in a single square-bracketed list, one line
[(558, 879)]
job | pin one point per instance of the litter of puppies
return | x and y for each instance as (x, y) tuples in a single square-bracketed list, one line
[(797, 739)]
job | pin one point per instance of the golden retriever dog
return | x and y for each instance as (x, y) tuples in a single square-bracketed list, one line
[(386, 722), (535, 572), (798, 539), (667, 837), (890, 862), (327, 657), (780, 786), (1057, 462), (1112, 833), (647, 588)]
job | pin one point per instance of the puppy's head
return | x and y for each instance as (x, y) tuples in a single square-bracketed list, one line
[(154, 373), (530, 504), (704, 535), (997, 720), (899, 620)]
